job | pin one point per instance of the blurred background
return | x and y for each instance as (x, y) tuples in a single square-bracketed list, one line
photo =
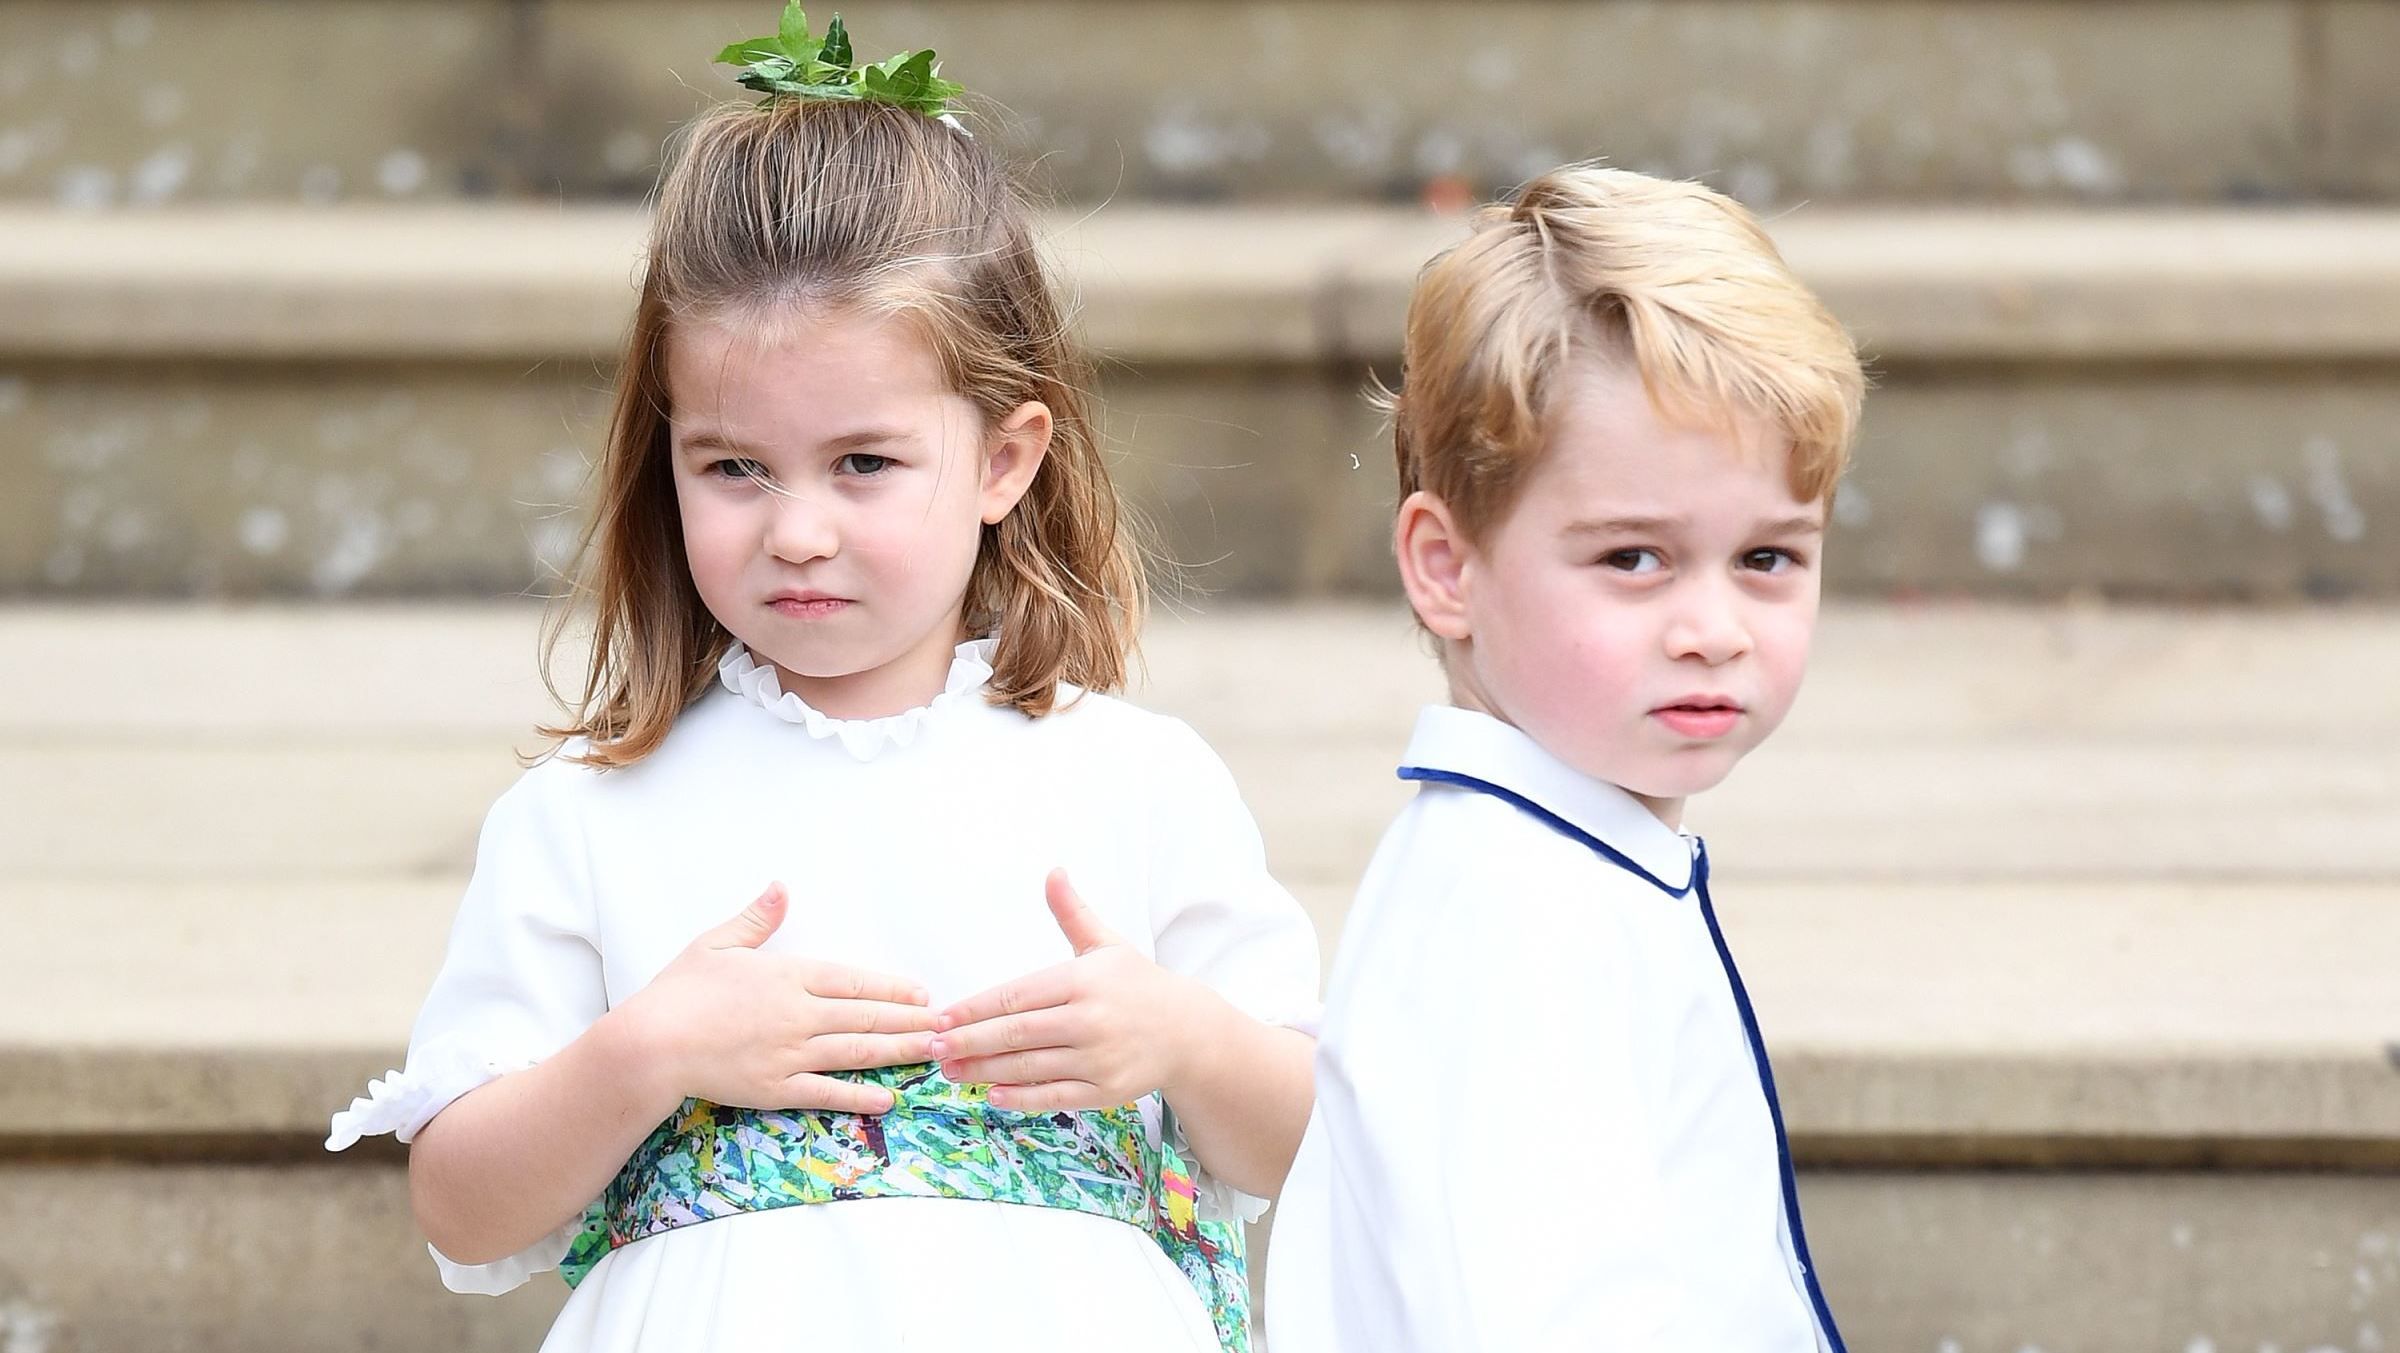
[(2070, 896)]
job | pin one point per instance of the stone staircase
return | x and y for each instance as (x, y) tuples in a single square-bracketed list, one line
[(2073, 931), (2071, 896), (1935, 102), (252, 400)]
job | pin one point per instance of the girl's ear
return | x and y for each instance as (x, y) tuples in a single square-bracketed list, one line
[(1434, 564), (1018, 444)]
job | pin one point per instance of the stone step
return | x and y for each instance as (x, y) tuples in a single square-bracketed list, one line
[(274, 1257), (404, 401), (1985, 100), (2077, 1021), (1961, 744), (2041, 1096), (1990, 1090)]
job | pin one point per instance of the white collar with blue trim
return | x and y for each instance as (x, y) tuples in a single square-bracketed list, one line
[(1465, 743)]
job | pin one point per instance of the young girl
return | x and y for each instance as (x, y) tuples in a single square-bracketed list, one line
[(858, 576)]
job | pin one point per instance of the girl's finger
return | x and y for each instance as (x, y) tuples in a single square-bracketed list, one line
[(1049, 1097), (872, 1017), (1008, 1033), (1039, 991), (751, 928), (807, 1091), (1079, 923), (1017, 1068), (858, 1052), (842, 983)]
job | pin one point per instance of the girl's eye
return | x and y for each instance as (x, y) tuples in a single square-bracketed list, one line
[(1633, 561), (1771, 560), (737, 469), (861, 464)]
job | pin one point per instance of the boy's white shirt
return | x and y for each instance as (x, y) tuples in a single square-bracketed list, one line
[(1539, 1124)]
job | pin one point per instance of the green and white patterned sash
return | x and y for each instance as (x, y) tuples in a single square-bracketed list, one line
[(941, 1140)]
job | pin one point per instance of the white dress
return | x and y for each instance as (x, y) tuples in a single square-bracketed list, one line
[(915, 845)]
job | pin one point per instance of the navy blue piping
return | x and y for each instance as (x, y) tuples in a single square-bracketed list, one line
[(1741, 1003), (1552, 820), (1766, 1080)]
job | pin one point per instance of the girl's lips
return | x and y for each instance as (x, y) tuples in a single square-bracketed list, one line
[(1699, 723), (808, 608)]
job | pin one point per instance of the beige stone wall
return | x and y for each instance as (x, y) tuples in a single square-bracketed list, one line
[(2195, 481), (1777, 100)]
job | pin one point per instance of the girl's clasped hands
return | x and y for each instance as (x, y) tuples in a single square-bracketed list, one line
[(1100, 1030)]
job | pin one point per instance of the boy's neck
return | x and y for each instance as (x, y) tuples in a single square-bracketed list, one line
[(1464, 695)]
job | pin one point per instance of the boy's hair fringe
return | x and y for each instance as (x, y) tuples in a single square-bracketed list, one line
[(1676, 280), (867, 209)]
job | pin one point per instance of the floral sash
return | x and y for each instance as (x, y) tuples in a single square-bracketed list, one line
[(941, 1140)]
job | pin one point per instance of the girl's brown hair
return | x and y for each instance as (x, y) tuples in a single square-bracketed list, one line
[(861, 208)]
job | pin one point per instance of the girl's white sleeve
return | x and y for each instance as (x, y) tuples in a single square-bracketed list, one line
[(1217, 915), (521, 979)]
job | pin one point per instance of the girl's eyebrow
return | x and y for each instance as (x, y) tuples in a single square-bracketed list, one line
[(716, 441), (851, 441), (713, 440)]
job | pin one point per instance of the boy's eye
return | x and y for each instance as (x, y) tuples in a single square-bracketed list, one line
[(862, 464), (1633, 561), (1771, 560)]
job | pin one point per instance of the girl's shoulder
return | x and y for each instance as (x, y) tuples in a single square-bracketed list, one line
[(1116, 728), (557, 780), (561, 778), (1136, 746)]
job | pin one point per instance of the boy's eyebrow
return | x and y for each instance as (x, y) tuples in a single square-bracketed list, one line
[(1623, 526), (1634, 526)]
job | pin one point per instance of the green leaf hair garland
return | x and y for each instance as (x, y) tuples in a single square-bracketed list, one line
[(794, 63)]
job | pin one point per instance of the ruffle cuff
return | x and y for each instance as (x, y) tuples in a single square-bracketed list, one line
[(504, 1275), (403, 1102)]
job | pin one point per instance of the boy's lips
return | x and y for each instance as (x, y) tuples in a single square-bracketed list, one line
[(1700, 716)]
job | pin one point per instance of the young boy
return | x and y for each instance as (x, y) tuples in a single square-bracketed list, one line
[(1544, 1116)]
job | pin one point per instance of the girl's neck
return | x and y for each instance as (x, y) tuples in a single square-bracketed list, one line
[(907, 682)]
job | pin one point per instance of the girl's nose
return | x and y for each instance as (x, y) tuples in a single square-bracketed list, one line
[(800, 530)]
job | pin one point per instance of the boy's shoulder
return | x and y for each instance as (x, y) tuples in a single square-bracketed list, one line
[(1494, 837), (1471, 897)]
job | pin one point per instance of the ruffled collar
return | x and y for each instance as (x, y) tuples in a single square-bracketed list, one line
[(756, 682)]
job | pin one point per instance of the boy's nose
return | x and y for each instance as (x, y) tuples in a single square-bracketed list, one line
[(1708, 628)]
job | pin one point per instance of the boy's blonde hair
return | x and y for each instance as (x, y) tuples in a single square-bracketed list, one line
[(1675, 280), (863, 208)]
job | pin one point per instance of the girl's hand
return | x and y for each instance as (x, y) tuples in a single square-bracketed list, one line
[(1102, 1029), (733, 1026)]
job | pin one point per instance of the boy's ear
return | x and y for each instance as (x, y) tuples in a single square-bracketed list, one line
[(1018, 444), (1434, 557)]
